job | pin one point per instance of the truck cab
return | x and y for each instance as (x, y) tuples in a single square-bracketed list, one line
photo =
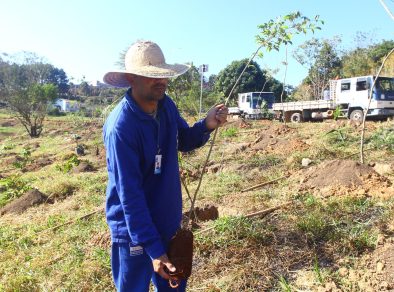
[(352, 95), (251, 104)]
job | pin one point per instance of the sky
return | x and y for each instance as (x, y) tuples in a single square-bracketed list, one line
[(85, 38)]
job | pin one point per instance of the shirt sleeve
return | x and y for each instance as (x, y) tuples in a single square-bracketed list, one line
[(190, 138), (128, 178)]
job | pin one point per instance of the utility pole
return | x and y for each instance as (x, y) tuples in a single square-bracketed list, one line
[(203, 68)]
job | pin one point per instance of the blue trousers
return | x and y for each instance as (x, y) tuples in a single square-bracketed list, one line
[(132, 270)]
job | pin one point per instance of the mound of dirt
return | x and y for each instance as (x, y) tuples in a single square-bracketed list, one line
[(8, 123), (188, 174), (30, 198), (206, 213), (345, 174), (279, 145), (83, 166), (38, 163), (278, 138), (277, 130), (238, 123)]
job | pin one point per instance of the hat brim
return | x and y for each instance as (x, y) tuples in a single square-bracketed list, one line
[(118, 78)]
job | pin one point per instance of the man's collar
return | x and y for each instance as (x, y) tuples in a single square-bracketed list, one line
[(137, 109)]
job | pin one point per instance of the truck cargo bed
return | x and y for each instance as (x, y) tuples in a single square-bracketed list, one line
[(303, 105)]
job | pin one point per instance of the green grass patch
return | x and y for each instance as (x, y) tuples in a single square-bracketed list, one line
[(229, 132), (234, 231), (383, 138), (12, 187), (341, 137), (264, 162), (69, 164), (349, 223)]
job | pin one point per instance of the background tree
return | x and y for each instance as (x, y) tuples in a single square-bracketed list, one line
[(59, 78), (321, 58), (84, 88), (253, 79), (357, 63), (185, 90), (28, 93), (366, 58)]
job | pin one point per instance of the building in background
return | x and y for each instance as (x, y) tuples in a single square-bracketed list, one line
[(98, 84), (66, 105)]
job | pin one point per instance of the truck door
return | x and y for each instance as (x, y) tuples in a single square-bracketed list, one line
[(344, 95), (361, 93)]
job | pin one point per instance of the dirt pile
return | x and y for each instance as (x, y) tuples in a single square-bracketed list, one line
[(238, 123), (206, 213), (8, 123), (38, 163), (337, 176), (83, 166), (278, 139), (30, 198)]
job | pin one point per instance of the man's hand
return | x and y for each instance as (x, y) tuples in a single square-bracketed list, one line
[(216, 117), (160, 263)]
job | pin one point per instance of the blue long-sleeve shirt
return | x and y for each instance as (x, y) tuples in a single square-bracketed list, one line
[(141, 206)]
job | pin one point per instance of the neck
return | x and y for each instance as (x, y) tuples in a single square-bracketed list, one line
[(147, 106)]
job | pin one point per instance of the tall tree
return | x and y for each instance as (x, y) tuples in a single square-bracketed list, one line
[(59, 78), (366, 59), (84, 88), (252, 79), (321, 58), (26, 90)]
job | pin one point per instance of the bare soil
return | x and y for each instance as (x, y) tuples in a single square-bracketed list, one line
[(337, 176), (31, 198), (372, 272), (83, 166)]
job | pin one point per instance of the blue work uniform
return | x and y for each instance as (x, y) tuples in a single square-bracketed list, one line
[(143, 198)]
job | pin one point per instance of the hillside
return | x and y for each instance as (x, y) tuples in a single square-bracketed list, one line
[(332, 231)]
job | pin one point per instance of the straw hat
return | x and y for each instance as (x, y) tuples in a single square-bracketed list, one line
[(144, 58)]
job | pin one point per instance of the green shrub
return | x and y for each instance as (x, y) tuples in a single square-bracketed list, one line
[(72, 161), (229, 132), (23, 159), (11, 188), (382, 138)]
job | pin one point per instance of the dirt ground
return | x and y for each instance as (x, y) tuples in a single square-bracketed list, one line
[(31, 198), (283, 250), (346, 176)]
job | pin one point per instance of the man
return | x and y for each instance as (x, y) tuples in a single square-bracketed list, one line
[(142, 136)]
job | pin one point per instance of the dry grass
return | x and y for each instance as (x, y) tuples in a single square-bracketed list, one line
[(298, 247)]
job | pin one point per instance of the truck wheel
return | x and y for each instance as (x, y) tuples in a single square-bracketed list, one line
[(296, 118), (357, 115)]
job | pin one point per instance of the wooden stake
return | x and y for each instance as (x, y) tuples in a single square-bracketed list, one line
[(263, 184), (258, 213), (72, 221)]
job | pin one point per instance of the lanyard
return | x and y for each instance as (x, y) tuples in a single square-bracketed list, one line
[(158, 157)]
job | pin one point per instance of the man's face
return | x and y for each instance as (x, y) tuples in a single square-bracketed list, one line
[(149, 89)]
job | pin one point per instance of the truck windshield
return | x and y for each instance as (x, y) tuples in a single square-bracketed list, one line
[(258, 99), (385, 88)]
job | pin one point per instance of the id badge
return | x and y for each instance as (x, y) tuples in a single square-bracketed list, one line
[(157, 164)]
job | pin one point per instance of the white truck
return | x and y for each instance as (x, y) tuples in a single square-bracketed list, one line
[(251, 105), (349, 96)]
